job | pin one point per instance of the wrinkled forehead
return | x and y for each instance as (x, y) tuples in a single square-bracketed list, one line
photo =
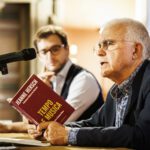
[(113, 32)]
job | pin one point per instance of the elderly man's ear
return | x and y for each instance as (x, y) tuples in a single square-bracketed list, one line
[(137, 53)]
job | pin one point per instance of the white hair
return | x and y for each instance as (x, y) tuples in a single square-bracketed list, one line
[(135, 31)]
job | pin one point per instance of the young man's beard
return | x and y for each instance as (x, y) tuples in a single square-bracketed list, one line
[(56, 71)]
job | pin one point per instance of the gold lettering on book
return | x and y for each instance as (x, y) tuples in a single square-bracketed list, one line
[(52, 111), (49, 109), (42, 111)]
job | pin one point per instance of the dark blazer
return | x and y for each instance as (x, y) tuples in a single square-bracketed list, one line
[(100, 130)]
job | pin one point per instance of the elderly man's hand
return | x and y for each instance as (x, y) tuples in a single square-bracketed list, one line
[(55, 133)]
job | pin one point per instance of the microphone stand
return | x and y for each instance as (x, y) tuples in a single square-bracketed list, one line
[(3, 69)]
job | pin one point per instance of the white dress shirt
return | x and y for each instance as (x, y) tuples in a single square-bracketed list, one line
[(83, 90)]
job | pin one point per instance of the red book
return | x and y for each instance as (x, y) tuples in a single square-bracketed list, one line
[(39, 103)]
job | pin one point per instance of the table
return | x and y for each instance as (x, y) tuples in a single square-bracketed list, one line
[(23, 135), (68, 148)]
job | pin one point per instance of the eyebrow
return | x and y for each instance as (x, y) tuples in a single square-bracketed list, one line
[(111, 40)]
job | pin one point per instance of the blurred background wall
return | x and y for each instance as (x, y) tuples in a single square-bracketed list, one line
[(82, 19)]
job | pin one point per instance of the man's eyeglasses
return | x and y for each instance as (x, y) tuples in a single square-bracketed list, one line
[(54, 50), (108, 45)]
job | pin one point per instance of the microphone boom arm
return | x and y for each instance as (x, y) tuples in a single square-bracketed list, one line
[(3, 69)]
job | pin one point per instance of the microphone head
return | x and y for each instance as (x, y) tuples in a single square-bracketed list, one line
[(29, 53)]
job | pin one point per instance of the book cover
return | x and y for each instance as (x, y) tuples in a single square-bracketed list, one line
[(39, 103)]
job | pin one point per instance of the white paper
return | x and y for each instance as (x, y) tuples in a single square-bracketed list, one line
[(31, 142)]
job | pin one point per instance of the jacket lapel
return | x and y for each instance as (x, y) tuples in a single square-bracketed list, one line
[(133, 96), (110, 111)]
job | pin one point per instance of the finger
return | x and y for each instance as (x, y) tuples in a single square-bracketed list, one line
[(34, 134), (9, 99), (46, 135), (47, 74), (30, 131), (31, 127), (42, 126)]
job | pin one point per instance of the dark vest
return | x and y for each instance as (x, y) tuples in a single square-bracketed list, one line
[(73, 71)]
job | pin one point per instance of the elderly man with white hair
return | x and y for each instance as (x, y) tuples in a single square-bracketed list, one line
[(124, 119)]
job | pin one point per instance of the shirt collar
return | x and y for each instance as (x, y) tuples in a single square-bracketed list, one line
[(65, 69), (124, 88)]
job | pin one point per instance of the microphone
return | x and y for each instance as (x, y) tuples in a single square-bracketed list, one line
[(25, 54)]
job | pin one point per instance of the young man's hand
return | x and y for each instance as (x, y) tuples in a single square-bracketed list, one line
[(46, 77), (34, 133)]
